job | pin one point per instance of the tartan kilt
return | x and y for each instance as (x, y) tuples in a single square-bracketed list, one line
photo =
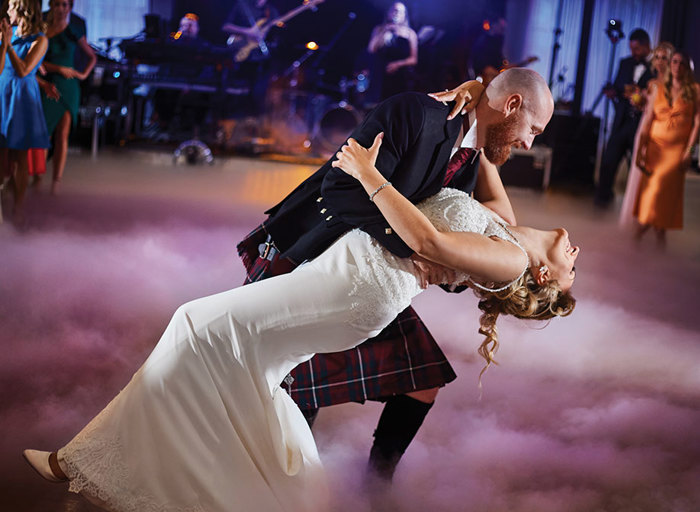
[(404, 357)]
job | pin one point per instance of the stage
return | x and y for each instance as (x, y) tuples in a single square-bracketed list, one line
[(597, 411)]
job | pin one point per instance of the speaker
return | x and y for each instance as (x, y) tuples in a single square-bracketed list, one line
[(529, 169), (574, 143)]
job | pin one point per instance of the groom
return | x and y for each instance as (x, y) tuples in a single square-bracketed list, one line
[(426, 146)]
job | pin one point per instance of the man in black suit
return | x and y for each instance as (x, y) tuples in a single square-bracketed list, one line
[(419, 138), (633, 75)]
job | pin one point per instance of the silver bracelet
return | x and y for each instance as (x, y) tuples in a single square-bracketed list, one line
[(379, 188)]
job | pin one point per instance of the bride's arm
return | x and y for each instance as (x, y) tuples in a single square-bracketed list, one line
[(472, 253)]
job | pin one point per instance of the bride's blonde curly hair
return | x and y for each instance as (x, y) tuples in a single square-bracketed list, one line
[(523, 299)]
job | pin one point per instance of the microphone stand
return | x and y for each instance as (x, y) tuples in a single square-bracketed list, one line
[(555, 46)]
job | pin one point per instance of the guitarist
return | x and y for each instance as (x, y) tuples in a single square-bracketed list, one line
[(487, 53), (243, 24)]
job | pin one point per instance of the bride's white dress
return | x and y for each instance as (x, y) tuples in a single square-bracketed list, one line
[(204, 425)]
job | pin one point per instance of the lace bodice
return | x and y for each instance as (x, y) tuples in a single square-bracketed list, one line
[(385, 283)]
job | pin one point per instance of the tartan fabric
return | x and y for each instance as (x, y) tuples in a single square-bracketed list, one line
[(404, 357)]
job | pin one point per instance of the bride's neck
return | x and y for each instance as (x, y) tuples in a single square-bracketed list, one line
[(533, 241)]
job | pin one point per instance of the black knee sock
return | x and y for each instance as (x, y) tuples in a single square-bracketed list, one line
[(400, 420)]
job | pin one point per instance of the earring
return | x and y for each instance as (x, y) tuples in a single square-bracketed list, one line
[(543, 269)]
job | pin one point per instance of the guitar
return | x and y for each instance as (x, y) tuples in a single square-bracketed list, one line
[(255, 36)]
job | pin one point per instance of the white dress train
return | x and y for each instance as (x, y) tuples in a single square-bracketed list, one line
[(204, 425), (629, 199)]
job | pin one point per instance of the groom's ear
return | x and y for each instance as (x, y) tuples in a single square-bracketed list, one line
[(514, 102)]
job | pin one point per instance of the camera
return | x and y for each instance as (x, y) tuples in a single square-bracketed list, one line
[(614, 30)]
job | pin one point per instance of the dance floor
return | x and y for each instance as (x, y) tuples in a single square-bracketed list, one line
[(595, 412)]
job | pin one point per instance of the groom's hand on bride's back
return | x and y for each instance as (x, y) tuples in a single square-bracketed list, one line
[(432, 273)]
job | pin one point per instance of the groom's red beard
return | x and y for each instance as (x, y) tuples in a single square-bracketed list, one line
[(499, 139)]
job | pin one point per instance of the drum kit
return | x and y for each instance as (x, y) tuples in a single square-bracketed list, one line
[(305, 111), (300, 120)]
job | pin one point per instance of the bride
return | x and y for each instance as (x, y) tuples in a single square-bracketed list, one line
[(203, 425)]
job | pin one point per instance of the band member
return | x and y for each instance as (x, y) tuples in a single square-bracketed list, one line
[(395, 47), (177, 110), (487, 52), (243, 25), (189, 28)]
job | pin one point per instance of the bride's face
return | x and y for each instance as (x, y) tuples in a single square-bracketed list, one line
[(562, 256)]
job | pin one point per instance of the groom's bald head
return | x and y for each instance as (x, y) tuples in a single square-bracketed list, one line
[(515, 107), (526, 82)]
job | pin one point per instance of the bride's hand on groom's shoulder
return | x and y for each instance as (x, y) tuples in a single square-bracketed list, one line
[(358, 161), (465, 96)]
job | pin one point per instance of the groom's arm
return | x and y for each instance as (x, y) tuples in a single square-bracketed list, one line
[(491, 193)]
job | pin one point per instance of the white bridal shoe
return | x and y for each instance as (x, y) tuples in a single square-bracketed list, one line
[(46, 464)]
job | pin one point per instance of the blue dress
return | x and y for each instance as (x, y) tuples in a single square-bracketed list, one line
[(22, 124)]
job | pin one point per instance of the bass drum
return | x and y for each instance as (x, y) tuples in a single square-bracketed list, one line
[(334, 126)]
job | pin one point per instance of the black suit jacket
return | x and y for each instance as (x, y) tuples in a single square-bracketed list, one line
[(414, 154), (625, 75)]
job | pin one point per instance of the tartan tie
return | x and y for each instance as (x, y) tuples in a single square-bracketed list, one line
[(457, 162)]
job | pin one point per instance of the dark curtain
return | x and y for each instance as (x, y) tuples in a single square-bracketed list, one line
[(673, 22)]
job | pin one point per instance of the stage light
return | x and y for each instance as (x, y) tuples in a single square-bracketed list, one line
[(614, 30), (116, 74), (486, 25), (311, 45)]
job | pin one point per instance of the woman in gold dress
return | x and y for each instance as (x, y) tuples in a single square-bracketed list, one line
[(669, 130), (660, 64)]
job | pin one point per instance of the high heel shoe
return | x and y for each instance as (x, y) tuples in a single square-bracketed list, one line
[(46, 464)]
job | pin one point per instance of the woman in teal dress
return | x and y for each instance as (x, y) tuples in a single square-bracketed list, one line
[(22, 49), (61, 87)]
